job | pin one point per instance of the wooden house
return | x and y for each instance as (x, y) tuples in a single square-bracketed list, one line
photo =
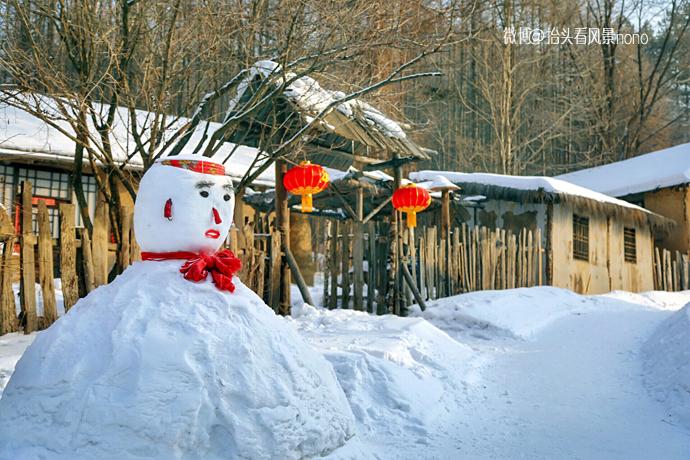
[(593, 243), (31, 149), (658, 181)]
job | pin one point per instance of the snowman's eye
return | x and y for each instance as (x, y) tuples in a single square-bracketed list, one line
[(204, 193), (226, 197)]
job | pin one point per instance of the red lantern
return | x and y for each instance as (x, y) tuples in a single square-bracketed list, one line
[(306, 180), (411, 200)]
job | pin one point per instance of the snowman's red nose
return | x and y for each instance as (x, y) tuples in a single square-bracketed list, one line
[(216, 216)]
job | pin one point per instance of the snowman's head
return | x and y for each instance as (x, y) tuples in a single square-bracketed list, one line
[(184, 203)]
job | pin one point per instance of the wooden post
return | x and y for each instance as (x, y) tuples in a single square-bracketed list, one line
[(274, 281), (327, 265), (333, 264), (28, 269), (345, 268), (99, 242), (125, 251), (89, 283), (358, 252), (45, 265), (283, 227), (372, 267), (8, 312), (68, 257)]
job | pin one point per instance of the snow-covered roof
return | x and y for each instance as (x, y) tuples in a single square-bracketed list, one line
[(353, 119), (540, 189), (660, 169), (23, 135)]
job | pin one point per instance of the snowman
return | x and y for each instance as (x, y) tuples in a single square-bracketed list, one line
[(176, 358)]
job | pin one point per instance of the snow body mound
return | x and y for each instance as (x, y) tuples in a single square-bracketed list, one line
[(667, 365), (153, 366), (401, 375)]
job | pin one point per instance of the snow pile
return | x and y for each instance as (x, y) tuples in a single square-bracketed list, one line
[(663, 168), (153, 366), (667, 365), (308, 94), (535, 183), (519, 313), (12, 347), (400, 375)]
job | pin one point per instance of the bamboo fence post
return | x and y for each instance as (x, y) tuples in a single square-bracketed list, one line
[(274, 286)]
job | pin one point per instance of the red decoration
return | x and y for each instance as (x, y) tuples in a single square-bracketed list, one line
[(306, 180), (216, 217), (200, 166), (167, 210), (411, 200), (222, 265)]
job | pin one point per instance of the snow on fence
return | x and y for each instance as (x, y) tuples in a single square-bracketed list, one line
[(671, 270), (468, 259)]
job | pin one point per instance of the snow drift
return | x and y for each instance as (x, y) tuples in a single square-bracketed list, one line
[(402, 376), (667, 365), (153, 366)]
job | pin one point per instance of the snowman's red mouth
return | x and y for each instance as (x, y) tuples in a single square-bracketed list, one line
[(212, 234)]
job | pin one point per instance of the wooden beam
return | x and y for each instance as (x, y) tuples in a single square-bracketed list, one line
[(390, 164), (299, 279), (376, 210), (346, 205), (411, 284)]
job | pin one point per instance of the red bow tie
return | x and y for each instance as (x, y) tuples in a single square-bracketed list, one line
[(222, 265)]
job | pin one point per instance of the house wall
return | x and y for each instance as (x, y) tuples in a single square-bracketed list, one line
[(606, 269), (672, 202)]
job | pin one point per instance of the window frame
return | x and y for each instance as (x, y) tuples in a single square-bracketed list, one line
[(630, 250), (580, 238)]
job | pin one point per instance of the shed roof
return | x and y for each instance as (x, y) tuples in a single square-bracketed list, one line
[(26, 138), (352, 127), (655, 170), (539, 189)]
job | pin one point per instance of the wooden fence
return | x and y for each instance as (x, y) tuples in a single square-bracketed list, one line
[(82, 261), (357, 268), (671, 270)]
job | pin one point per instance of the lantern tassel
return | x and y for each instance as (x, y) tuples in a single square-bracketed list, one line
[(411, 219), (307, 203)]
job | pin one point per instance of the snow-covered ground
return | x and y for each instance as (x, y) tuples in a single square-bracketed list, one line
[(525, 373)]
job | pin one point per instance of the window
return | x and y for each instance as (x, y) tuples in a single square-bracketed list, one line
[(629, 245), (580, 237)]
